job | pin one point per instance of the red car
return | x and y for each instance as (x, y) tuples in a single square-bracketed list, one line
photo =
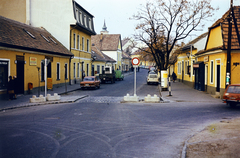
[(90, 82), (231, 95)]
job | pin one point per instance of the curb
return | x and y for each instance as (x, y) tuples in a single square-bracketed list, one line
[(44, 103)]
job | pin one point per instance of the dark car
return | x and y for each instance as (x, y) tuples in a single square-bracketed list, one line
[(90, 82), (231, 95)]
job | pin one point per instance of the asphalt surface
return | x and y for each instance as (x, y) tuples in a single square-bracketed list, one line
[(98, 125)]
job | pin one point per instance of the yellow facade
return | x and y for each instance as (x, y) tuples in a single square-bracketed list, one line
[(31, 73), (215, 38), (81, 48)]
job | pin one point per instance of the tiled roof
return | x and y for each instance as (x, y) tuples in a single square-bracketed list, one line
[(106, 42), (21, 36), (100, 56), (224, 25)]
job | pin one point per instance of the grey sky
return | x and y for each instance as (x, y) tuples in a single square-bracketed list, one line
[(116, 13)]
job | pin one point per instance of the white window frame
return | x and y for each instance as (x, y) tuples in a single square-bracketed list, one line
[(80, 15), (90, 23), (85, 20)]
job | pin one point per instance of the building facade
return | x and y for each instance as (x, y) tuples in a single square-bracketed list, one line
[(23, 50)]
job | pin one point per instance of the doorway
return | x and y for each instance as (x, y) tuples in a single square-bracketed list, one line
[(218, 78), (20, 74)]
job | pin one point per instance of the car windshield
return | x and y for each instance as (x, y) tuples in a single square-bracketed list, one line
[(88, 79), (233, 89), (152, 72), (153, 76)]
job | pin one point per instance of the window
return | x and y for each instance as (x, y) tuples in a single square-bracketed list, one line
[(83, 43), (53, 40), (193, 69), (80, 17), (90, 23), (85, 20), (45, 38), (87, 69), (87, 45), (31, 35), (211, 74), (186, 67), (58, 71), (66, 72), (102, 69), (78, 70), (74, 70), (42, 71), (78, 42), (74, 40), (77, 15), (98, 69)]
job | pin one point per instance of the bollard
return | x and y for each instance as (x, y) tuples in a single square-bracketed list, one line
[(169, 86)]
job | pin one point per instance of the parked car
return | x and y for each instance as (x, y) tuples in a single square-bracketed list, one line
[(90, 82), (231, 95), (119, 75), (152, 78)]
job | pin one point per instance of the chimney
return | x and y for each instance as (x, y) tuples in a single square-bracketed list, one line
[(101, 37)]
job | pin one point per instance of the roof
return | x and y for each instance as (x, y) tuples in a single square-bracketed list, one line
[(106, 42), (100, 56), (191, 43), (125, 55), (21, 36)]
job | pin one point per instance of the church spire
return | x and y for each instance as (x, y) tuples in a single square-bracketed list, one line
[(104, 29)]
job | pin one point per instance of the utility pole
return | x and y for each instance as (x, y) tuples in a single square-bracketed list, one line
[(228, 68)]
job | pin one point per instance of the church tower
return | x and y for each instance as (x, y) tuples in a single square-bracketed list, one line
[(104, 29)]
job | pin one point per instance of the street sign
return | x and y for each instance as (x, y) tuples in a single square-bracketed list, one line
[(135, 61)]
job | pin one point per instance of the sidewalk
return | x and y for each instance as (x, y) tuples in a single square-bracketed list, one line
[(23, 99)]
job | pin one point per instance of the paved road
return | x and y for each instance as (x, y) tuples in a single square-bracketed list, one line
[(100, 126)]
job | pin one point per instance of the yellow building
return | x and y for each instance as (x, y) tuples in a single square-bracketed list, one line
[(80, 41), (214, 57), (23, 49), (186, 57)]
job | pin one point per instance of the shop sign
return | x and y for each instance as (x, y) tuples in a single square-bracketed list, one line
[(206, 59), (33, 61), (195, 65)]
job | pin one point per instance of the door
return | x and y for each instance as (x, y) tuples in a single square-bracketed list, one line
[(20, 77), (92, 70), (218, 78), (182, 71)]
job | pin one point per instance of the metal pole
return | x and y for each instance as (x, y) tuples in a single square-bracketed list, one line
[(45, 76), (135, 81)]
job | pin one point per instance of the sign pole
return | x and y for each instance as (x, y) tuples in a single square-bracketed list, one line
[(45, 76), (135, 81)]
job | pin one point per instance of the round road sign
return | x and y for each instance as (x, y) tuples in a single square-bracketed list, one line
[(135, 61)]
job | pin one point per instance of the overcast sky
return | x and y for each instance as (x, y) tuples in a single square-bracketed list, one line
[(116, 14)]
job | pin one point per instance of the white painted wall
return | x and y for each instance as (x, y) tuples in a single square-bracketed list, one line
[(200, 45), (111, 54), (55, 16)]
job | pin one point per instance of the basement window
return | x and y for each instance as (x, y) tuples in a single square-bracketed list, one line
[(45, 38), (31, 35)]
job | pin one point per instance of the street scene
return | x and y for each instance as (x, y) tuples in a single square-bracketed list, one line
[(136, 79), (99, 125)]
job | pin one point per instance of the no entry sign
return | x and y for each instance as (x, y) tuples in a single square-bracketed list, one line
[(135, 61)]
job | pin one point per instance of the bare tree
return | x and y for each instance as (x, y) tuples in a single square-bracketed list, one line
[(164, 22)]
